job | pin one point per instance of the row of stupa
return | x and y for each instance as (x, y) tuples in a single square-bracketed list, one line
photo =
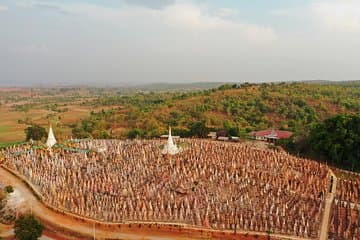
[(170, 147)]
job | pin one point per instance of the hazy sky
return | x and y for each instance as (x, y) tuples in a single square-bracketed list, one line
[(142, 41)]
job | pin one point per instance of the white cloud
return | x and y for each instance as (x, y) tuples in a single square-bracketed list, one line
[(3, 8), (200, 19), (328, 15), (182, 17), (227, 12), (338, 15), (299, 11), (157, 4)]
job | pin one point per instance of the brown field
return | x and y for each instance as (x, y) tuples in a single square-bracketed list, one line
[(71, 107)]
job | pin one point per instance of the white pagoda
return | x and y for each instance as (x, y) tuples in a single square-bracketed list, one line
[(51, 141), (170, 148)]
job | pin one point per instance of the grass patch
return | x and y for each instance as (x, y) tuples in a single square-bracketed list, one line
[(4, 128), (8, 144)]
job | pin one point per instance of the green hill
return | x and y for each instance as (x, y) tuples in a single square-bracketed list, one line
[(235, 108)]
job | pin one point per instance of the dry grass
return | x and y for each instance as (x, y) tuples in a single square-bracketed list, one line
[(70, 110)]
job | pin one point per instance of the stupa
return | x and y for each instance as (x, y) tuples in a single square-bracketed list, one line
[(51, 141), (170, 148)]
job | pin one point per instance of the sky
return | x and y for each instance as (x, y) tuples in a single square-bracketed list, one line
[(127, 42)]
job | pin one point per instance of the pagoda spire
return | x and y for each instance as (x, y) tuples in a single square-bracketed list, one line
[(170, 148), (51, 141)]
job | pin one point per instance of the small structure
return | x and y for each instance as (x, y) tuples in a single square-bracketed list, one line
[(170, 148), (270, 135), (212, 135), (235, 139), (223, 139), (51, 141), (221, 133)]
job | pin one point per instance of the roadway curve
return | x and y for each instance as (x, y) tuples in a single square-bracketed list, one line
[(154, 231)]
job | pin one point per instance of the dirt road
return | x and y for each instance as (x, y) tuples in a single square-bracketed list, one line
[(328, 202)]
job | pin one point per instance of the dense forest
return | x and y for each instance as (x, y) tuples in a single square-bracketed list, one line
[(337, 140)]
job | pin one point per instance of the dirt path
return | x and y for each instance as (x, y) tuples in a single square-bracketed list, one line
[(6, 231), (328, 202), (64, 223)]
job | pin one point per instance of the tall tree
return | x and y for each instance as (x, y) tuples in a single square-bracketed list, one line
[(35, 132), (134, 133), (199, 129)]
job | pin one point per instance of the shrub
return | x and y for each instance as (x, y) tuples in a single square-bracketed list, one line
[(28, 228), (9, 189)]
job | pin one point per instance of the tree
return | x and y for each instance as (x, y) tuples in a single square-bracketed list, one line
[(134, 133), (199, 129), (337, 140), (79, 132), (28, 228), (231, 128), (227, 86), (104, 135), (35, 132), (9, 189)]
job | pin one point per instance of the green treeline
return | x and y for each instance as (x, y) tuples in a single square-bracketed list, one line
[(337, 140)]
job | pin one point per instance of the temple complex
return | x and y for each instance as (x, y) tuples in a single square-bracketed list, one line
[(210, 184)]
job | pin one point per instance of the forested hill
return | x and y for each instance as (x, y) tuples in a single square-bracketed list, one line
[(237, 109)]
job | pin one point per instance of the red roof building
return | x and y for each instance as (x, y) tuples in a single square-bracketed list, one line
[(270, 135)]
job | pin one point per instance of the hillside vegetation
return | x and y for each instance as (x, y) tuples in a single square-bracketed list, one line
[(336, 140), (237, 109)]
